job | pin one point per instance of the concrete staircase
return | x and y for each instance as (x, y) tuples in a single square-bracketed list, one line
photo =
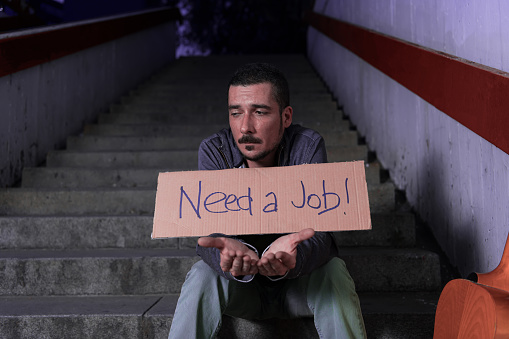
[(76, 258)]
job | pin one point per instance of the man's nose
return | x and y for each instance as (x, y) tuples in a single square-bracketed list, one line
[(247, 126)]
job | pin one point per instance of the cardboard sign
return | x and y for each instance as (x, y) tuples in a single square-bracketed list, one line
[(325, 197)]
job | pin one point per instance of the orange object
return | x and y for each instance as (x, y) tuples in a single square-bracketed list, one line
[(468, 309), (499, 277)]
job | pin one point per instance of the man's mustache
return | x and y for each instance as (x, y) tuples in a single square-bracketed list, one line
[(249, 139)]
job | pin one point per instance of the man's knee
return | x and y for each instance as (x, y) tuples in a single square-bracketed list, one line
[(335, 266), (200, 268), (202, 274), (334, 272)]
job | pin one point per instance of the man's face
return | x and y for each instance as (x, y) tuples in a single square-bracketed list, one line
[(256, 123)]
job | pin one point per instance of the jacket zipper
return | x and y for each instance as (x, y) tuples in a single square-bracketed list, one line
[(224, 157), (279, 155)]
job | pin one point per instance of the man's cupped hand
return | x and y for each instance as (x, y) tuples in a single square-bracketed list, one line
[(238, 259), (281, 256)]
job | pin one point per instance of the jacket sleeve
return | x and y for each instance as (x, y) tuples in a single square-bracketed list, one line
[(319, 155), (313, 253), (209, 157)]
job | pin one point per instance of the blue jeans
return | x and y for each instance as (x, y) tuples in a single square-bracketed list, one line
[(327, 294)]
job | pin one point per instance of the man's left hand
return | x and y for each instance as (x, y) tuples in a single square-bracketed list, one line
[(282, 254)]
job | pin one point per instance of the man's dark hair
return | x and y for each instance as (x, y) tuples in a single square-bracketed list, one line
[(258, 73)]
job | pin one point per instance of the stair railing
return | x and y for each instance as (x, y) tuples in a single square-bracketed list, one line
[(21, 50), (46, 97)]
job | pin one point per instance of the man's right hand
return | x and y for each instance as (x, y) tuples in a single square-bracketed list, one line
[(236, 258)]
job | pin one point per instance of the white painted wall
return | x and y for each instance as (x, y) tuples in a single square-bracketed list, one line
[(42, 105), (457, 181)]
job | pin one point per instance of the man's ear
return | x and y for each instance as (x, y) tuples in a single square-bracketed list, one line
[(286, 116)]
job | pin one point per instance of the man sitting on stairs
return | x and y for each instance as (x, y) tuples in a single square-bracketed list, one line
[(265, 276)]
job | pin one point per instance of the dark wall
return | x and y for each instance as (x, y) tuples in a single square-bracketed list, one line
[(53, 12), (248, 26), (208, 26), (79, 9)]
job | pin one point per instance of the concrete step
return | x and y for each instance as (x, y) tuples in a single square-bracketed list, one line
[(73, 177), (373, 173), (181, 94), (215, 83), (328, 131), (162, 271), (218, 94), (72, 202), (154, 95), (154, 143), (218, 63), (24, 201), (178, 129), (335, 139), (380, 269), (154, 130), (219, 80), (79, 317), (388, 229), (210, 71), (150, 317), (170, 160), (388, 315), (347, 153), (324, 127), (168, 108), (197, 105), (84, 232), (305, 78), (89, 232), (90, 272), (217, 88), (214, 74), (148, 116), (90, 178)]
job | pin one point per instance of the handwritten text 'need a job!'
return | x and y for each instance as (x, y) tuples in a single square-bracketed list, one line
[(221, 202)]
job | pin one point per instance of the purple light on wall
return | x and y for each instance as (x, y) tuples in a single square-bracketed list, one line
[(187, 47)]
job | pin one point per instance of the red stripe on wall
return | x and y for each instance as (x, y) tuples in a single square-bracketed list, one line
[(18, 53), (474, 95)]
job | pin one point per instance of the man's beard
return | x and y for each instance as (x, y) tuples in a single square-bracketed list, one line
[(249, 139), (259, 156)]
